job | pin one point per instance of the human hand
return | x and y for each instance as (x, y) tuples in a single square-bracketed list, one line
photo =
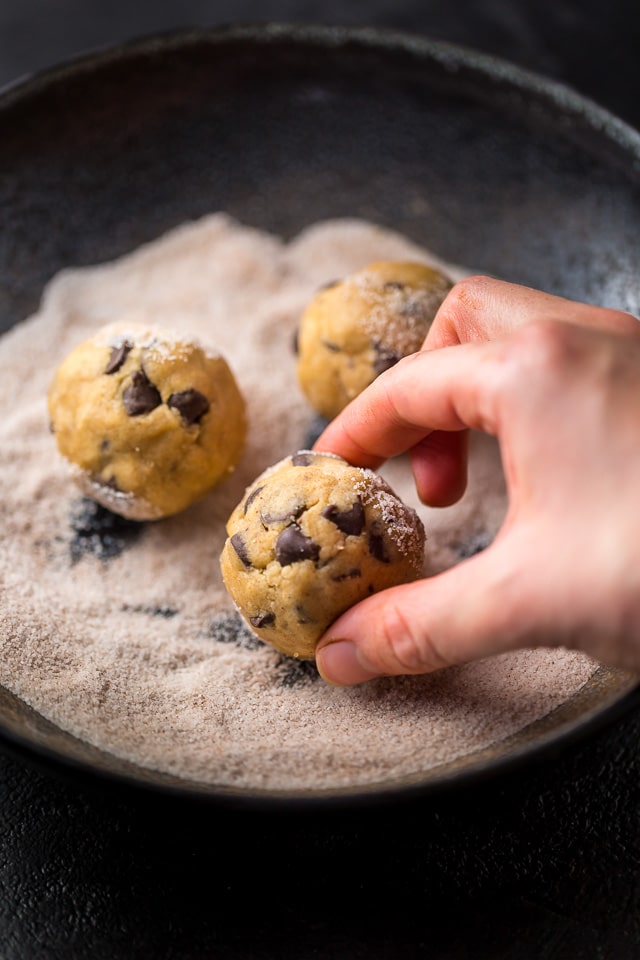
[(558, 384)]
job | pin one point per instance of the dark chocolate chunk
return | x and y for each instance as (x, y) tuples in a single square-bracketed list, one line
[(302, 615), (385, 358), (190, 404), (295, 343), (350, 521), (332, 347), (118, 357), (376, 543), (251, 498), (140, 396), (290, 513), (293, 545), (263, 620), (240, 547), (302, 459), (349, 575)]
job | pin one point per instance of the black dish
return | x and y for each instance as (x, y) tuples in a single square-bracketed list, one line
[(282, 126)]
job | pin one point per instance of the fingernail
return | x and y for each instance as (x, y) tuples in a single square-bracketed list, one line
[(340, 663)]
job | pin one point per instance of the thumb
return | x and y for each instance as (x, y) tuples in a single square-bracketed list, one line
[(465, 613)]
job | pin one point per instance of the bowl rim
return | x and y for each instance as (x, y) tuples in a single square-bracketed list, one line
[(554, 745), (451, 57)]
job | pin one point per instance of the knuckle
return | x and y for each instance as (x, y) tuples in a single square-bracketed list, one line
[(466, 299), (542, 345), (405, 646), (471, 292)]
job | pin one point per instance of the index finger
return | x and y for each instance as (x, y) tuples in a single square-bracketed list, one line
[(447, 390)]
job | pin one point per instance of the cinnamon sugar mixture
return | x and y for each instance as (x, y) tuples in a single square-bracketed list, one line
[(123, 634)]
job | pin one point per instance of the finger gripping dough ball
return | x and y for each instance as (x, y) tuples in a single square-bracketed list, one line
[(149, 420), (353, 330), (312, 536)]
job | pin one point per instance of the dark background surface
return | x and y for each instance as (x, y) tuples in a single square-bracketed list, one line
[(544, 862)]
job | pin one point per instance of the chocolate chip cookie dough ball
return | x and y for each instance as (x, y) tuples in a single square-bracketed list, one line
[(354, 329), (148, 420), (311, 537)]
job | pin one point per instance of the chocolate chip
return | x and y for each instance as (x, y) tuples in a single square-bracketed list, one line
[(302, 615), (376, 544), (290, 513), (263, 620), (251, 498), (118, 357), (240, 547), (385, 358), (349, 575), (332, 347), (350, 521), (302, 459), (295, 343), (141, 396), (190, 404), (293, 545)]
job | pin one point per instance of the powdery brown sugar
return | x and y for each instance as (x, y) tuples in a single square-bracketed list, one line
[(123, 634)]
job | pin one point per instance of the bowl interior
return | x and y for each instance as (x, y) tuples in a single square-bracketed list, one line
[(284, 126)]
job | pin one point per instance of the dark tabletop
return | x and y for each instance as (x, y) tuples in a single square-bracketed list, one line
[(543, 862)]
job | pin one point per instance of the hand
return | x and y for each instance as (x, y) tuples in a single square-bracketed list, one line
[(558, 383)]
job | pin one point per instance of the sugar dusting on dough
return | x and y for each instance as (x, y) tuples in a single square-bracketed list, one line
[(143, 654), (402, 524)]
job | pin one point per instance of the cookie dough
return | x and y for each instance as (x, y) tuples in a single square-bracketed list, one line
[(312, 536), (356, 328), (148, 420)]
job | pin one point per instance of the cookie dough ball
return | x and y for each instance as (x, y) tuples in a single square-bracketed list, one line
[(311, 537), (148, 420), (354, 329)]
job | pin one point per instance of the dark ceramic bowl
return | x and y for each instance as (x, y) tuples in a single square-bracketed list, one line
[(282, 126)]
